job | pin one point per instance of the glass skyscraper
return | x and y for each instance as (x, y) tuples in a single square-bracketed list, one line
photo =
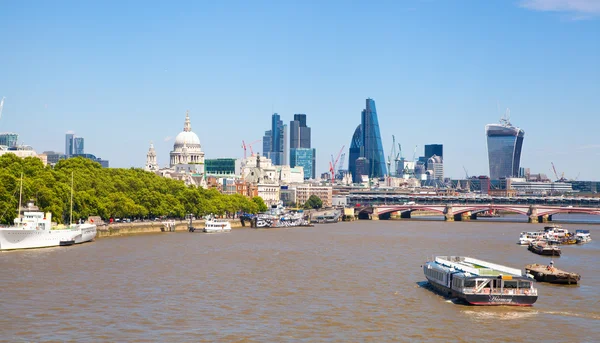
[(300, 139), (372, 146), (274, 141), (354, 153), (69, 144), (303, 157), (504, 143), (9, 139), (78, 146)]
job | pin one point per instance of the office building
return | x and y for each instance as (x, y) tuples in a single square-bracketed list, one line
[(370, 145), (220, 166), (78, 146), (300, 138), (435, 168), (9, 139), (103, 163), (354, 153), (504, 143), (433, 149), (304, 158), (69, 143), (52, 157), (273, 141)]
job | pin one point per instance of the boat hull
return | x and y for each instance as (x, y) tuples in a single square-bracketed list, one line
[(30, 239), (485, 299)]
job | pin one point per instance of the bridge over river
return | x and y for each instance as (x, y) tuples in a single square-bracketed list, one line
[(537, 209)]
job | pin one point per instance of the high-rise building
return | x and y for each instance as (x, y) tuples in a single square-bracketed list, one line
[(371, 147), (435, 167), (78, 145), (355, 153), (273, 141), (304, 158), (69, 144), (285, 152), (9, 139), (504, 143), (300, 138), (267, 144), (433, 149)]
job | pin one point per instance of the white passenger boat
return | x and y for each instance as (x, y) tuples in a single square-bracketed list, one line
[(479, 282), (216, 225), (33, 229), (530, 236), (582, 236)]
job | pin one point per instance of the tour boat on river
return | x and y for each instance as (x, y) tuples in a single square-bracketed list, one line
[(530, 236), (216, 225), (477, 282), (582, 236)]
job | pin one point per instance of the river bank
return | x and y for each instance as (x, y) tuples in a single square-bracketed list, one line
[(123, 229)]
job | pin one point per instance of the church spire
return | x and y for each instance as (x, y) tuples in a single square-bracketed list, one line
[(187, 127)]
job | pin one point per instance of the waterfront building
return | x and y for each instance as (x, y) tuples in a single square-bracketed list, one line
[(303, 157), (369, 147), (504, 143), (304, 191), (78, 146), (151, 162), (300, 138), (9, 139), (69, 143), (523, 187)]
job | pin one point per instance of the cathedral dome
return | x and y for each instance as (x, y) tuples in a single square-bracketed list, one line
[(187, 137)]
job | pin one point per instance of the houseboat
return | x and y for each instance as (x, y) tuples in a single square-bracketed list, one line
[(544, 248), (477, 282)]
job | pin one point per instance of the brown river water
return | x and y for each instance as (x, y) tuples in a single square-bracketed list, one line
[(347, 282)]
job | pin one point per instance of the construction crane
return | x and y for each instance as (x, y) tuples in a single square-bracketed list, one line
[(1, 106), (244, 146), (415, 154), (342, 160), (466, 172), (333, 164), (562, 176)]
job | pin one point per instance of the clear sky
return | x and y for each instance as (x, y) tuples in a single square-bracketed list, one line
[(123, 73)]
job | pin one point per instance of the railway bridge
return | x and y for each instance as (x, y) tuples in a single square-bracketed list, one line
[(461, 212)]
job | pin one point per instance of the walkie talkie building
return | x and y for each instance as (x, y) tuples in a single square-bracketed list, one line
[(504, 143)]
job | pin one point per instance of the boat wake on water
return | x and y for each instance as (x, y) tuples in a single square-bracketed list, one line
[(523, 313)]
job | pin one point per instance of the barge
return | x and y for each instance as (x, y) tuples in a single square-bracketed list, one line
[(552, 274), (477, 282)]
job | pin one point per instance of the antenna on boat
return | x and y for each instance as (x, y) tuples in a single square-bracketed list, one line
[(20, 197), (71, 215)]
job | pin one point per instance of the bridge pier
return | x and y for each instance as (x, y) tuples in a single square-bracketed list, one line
[(449, 214), (543, 218), (532, 214)]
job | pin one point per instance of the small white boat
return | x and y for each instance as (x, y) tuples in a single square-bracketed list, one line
[(216, 225), (582, 236), (530, 236)]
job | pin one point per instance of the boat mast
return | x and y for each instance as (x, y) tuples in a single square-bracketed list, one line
[(71, 215), (20, 197)]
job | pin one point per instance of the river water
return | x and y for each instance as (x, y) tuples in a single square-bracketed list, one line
[(348, 282)]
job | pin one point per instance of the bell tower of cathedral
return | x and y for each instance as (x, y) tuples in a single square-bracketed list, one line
[(151, 164)]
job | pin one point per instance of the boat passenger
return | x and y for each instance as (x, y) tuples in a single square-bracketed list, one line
[(550, 267)]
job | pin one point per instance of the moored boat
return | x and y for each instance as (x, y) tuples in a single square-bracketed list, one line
[(552, 274), (478, 282), (544, 248), (216, 225), (527, 237), (582, 236)]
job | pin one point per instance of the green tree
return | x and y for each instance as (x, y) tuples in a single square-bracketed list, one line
[(260, 204), (313, 202)]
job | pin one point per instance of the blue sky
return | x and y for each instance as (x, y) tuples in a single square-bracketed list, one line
[(123, 73)]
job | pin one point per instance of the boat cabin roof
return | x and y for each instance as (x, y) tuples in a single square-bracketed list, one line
[(475, 266)]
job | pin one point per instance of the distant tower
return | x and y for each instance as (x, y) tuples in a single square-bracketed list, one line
[(504, 143), (151, 164)]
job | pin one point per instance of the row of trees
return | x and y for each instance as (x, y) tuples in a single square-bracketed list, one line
[(108, 193)]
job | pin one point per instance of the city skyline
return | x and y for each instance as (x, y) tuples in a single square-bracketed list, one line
[(436, 82)]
